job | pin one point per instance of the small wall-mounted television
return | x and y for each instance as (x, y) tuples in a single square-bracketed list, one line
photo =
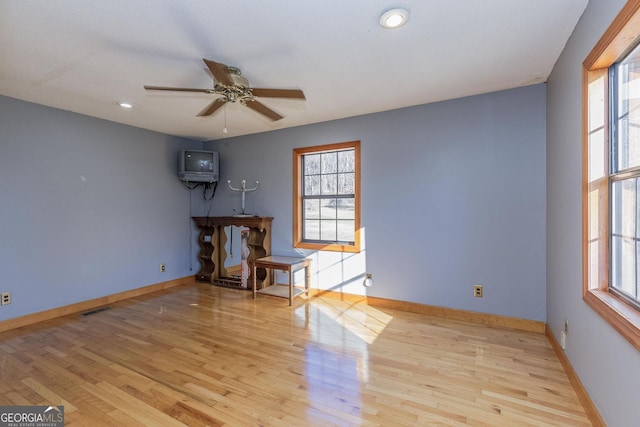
[(198, 166)]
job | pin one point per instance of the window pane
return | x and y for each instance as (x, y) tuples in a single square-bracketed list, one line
[(346, 208), (311, 164), (346, 231), (624, 268), (328, 230), (633, 134), (346, 183), (346, 161), (312, 185), (311, 209), (628, 93), (329, 162), (311, 230), (624, 208), (623, 144), (328, 210), (329, 184), (625, 236)]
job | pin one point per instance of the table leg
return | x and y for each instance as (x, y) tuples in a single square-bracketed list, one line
[(290, 286), (254, 280), (307, 280)]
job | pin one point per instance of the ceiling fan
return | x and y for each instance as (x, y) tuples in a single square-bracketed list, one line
[(229, 83)]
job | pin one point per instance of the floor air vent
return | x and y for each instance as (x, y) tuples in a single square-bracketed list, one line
[(96, 311)]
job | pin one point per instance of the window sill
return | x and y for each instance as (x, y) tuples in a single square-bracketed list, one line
[(623, 318), (328, 247)]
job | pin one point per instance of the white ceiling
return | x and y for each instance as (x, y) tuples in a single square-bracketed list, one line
[(86, 55)]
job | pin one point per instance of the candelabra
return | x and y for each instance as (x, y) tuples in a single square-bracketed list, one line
[(243, 189)]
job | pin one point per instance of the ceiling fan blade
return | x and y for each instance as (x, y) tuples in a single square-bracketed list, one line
[(278, 93), (212, 108), (178, 89), (262, 109), (220, 72)]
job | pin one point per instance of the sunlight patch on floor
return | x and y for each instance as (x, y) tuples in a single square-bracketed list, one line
[(365, 322)]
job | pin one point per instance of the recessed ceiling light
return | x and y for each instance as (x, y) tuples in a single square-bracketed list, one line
[(125, 105), (394, 18)]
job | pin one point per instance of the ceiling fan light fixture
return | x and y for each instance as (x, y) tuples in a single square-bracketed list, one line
[(394, 18)]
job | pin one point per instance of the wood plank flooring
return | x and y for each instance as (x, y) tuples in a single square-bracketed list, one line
[(200, 355)]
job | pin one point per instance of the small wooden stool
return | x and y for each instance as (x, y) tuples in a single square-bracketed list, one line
[(282, 263)]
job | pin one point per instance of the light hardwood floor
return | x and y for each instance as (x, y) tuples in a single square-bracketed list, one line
[(202, 355)]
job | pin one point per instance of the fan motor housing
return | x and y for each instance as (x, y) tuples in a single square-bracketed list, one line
[(236, 76)]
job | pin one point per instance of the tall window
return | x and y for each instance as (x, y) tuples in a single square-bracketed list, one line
[(611, 175), (625, 177), (327, 197)]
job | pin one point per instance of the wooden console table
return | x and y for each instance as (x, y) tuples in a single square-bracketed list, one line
[(212, 253), (287, 264)]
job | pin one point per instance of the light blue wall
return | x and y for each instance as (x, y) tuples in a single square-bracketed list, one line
[(87, 207), (453, 194), (606, 363)]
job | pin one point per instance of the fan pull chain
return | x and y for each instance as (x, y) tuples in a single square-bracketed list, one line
[(225, 130)]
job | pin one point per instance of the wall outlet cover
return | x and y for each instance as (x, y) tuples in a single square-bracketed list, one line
[(5, 298), (477, 291)]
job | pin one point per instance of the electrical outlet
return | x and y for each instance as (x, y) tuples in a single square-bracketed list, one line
[(5, 298), (563, 340), (163, 268), (477, 291), (368, 280)]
